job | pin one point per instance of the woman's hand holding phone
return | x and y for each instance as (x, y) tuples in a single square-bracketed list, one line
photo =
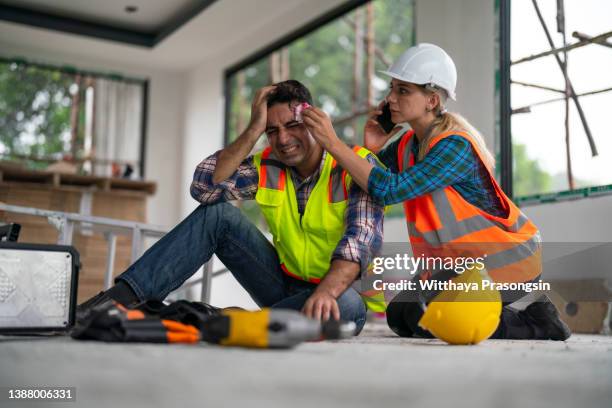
[(375, 135)]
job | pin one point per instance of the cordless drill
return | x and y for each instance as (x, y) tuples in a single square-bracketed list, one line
[(270, 328)]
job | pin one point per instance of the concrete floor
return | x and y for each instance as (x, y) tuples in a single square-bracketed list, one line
[(376, 369)]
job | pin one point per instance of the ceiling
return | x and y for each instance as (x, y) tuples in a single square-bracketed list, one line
[(236, 28), (139, 22), (231, 29)]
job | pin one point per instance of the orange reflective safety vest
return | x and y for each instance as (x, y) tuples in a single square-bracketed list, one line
[(444, 223)]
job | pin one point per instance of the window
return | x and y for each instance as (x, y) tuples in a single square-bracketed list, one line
[(338, 61), (93, 122), (545, 158)]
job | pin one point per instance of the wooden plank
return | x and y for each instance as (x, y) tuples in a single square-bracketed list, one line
[(11, 173), (73, 189), (122, 184), (14, 174)]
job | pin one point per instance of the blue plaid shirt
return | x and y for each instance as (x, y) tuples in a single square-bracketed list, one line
[(451, 162), (363, 235)]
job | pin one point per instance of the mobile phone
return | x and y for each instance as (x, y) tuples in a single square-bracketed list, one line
[(384, 119)]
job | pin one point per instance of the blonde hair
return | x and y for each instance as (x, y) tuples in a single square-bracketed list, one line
[(451, 121)]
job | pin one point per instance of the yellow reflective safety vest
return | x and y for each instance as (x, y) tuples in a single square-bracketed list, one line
[(305, 243)]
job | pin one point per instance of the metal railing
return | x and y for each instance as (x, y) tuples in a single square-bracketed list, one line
[(66, 222)]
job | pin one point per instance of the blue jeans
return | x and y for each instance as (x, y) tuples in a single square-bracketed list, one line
[(223, 230)]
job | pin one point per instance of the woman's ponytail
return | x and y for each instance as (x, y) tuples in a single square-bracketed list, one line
[(451, 121)]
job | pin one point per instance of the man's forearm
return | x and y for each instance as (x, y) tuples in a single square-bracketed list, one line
[(230, 158), (340, 276), (357, 167)]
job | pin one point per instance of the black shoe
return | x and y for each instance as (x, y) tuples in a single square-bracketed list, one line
[(83, 309), (121, 292), (396, 321), (404, 313), (548, 323), (101, 299)]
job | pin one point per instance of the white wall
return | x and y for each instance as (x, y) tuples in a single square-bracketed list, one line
[(164, 125), (203, 123), (466, 30), (575, 234), (164, 145), (584, 220)]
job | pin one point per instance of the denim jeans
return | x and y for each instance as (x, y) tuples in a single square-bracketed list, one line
[(223, 230)]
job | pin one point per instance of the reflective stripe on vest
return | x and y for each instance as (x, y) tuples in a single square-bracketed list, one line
[(453, 229), (337, 184), (272, 174), (512, 245)]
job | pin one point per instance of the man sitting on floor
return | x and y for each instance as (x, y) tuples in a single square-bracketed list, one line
[(325, 229)]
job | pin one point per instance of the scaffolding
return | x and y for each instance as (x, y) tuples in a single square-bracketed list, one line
[(569, 94)]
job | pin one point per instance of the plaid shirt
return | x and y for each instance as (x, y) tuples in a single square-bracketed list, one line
[(451, 162), (363, 236)]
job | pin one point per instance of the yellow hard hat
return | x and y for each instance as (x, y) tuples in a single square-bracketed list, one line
[(460, 317)]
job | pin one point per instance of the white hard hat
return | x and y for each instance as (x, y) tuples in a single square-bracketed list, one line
[(426, 64)]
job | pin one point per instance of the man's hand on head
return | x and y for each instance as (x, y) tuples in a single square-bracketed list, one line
[(259, 109), (321, 305), (230, 158)]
